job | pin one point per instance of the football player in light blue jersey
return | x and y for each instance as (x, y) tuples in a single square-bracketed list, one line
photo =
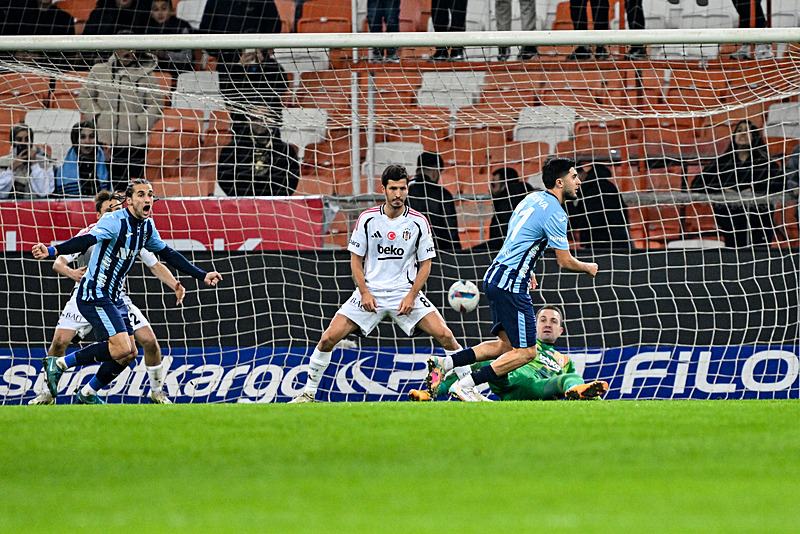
[(538, 221), (119, 236)]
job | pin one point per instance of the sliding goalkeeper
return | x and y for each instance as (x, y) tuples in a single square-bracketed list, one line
[(550, 376)]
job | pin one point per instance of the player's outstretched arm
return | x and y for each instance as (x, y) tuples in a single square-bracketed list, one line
[(165, 275), (570, 263), (177, 260), (76, 244), (212, 278)]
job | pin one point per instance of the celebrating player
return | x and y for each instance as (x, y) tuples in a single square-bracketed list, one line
[(121, 234), (391, 251), (550, 376), (538, 221), (72, 322)]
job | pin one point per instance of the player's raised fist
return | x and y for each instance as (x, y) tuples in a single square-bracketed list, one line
[(213, 278), (592, 269), (40, 251)]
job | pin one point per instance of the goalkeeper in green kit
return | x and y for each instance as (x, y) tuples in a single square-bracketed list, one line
[(550, 376)]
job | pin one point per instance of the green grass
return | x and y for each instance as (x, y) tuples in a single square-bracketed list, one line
[(691, 466)]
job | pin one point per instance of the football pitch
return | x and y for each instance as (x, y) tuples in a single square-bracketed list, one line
[(655, 466)]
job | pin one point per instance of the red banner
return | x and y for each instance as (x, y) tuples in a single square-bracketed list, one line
[(203, 224)]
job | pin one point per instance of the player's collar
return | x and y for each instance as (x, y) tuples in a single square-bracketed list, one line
[(404, 214)]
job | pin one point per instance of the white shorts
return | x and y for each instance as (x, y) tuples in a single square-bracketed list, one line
[(387, 306), (71, 318)]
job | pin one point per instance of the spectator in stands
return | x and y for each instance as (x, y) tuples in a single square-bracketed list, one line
[(84, 172), (634, 13), (528, 14), (257, 79), (239, 16), (110, 17), (259, 163), (599, 215), (378, 13), (507, 191), (434, 201), (113, 17), (162, 21), (579, 14), (120, 96), (744, 167), (26, 171), (580, 21), (449, 16), (762, 50), (37, 17)]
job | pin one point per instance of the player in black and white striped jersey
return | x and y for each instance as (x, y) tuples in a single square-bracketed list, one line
[(391, 251)]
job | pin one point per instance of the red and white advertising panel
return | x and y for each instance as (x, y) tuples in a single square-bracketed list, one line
[(198, 224)]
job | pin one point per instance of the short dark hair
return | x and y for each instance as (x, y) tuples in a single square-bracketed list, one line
[(134, 183), (430, 160), (506, 174), (555, 309), (102, 196), (394, 172), (555, 168)]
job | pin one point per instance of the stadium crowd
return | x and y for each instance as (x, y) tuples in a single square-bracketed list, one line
[(123, 131)]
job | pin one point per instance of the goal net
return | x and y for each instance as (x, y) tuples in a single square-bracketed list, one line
[(264, 149)]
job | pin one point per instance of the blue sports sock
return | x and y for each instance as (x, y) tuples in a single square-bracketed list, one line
[(94, 353), (106, 374), (464, 357)]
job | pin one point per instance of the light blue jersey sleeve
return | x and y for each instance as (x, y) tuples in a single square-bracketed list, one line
[(154, 243), (555, 228), (106, 228)]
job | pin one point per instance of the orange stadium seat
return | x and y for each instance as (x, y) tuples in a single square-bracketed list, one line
[(286, 9), (66, 91), (338, 233), (473, 227), (787, 227), (79, 9), (24, 90), (661, 179), (580, 89), (217, 136), (696, 89), (8, 118), (663, 224), (700, 222), (173, 154), (325, 16)]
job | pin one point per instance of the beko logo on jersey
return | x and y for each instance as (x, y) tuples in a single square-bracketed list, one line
[(391, 250)]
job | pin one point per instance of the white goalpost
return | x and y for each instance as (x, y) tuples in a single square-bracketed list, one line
[(697, 292)]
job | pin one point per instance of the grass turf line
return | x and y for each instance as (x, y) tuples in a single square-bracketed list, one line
[(683, 466)]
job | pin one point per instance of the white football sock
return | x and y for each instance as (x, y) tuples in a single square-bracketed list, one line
[(156, 375), (316, 368), (467, 382), (88, 390)]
